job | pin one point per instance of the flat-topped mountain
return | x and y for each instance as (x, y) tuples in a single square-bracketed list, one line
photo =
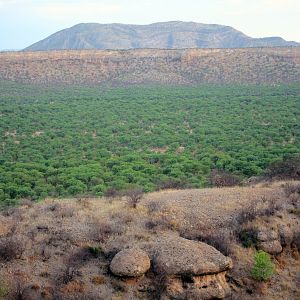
[(153, 66), (167, 35)]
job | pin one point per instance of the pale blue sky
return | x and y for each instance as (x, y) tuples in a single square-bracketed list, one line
[(23, 22)]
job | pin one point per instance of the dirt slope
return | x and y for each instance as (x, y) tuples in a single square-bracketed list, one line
[(153, 66)]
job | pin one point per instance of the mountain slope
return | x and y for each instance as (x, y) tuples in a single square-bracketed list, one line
[(154, 66), (168, 35)]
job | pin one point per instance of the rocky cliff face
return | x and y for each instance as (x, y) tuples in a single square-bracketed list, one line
[(168, 35), (151, 66)]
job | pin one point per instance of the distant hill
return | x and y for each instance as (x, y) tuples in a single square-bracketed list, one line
[(168, 35), (153, 66)]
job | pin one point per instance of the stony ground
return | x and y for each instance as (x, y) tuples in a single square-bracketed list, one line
[(215, 207), (69, 244)]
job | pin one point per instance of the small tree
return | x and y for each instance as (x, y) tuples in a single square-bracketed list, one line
[(288, 168), (134, 195), (222, 178), (263, 268)]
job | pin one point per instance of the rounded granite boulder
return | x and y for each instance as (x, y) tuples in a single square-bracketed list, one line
[(179, 256), (130, 263)]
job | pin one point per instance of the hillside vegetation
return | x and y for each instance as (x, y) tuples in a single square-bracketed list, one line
[(165, 35), (62, 142), (153, 66)]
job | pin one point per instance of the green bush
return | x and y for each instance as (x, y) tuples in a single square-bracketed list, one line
[(3, 290), (96, 251), (263, 268), (248, 237)]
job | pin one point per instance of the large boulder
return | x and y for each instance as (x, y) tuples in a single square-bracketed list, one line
[(179, 256), (130, 263), (194, 270)]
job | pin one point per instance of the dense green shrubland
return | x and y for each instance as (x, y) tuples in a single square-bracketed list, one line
[(67, 141)]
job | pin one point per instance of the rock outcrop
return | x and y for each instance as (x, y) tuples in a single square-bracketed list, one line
[(130, 263), (269, 241), (179, 256), (198, 287), (194, 270), (189, 269)]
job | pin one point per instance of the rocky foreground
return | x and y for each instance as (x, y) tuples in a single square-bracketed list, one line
[(106, 249)]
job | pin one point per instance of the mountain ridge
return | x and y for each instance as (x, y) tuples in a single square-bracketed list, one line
[(153, 66), (162, 35)]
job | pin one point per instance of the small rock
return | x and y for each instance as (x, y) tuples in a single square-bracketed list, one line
[(272, 247), (265, 235), (286, 235), (130, 263)]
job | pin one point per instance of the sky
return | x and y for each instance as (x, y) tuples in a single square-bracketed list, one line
[(24, 22)]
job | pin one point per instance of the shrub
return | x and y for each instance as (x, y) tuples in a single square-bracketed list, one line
[(221, 178), (272, 207), (3, 289), (263, 268), (75, 260), (247, 214), (134, 195), (221, 240), (286, 169), (291, 188), (248, 237), (26, 202), (102, 231), (11, 248), (296, 240), (162, 223), (96, 251), (54, 207), (111, 192), (171, 183), (66, 212), (160, 285), (154, 207)]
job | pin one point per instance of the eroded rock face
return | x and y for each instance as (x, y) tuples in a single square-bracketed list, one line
[(194, 270), (202, 287), (130, 263), (179, 256), (190, 269)]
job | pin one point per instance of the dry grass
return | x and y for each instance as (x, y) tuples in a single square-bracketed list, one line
[(187, 66), (71, 242)]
